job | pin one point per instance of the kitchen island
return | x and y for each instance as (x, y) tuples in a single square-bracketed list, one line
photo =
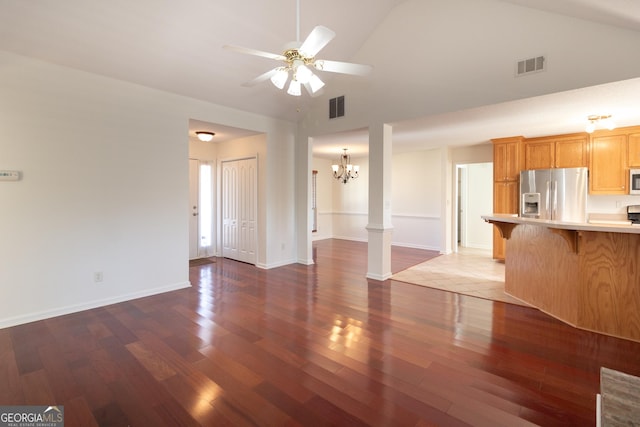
[(587, 275)]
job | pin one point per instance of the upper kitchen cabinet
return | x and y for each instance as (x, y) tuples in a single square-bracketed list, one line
[(539, 153), (572, 151), (634, 149), (608, 165), (561, 151), (506, 159)]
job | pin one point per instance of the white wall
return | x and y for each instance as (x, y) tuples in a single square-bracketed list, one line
[(104, 188), (416, 200), (324, 198)]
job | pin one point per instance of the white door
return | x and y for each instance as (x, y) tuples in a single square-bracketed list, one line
[(239, 209), (247, 211), (230, 210), (194, 235)]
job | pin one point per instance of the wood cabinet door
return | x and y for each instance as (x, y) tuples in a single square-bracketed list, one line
[(634, 150), (506, 165), (608, 174), (539, 155), (505, 201), (505, 197), (571, 153)]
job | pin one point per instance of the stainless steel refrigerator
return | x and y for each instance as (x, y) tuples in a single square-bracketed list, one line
[(554, 194)]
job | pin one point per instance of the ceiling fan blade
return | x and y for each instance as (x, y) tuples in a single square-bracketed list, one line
[(254, 52), (261, 78), (343, 67), (318, 38)]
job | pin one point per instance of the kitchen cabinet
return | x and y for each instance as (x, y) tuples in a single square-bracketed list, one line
[(539, 153), (561, 151), (634, 150), (571, 152), (505, 201), (507, 163), (506, 159), (608, 172)]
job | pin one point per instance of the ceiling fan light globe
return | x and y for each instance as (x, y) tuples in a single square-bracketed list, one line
[(315, 83), (294, 88), (303, 74), (279, 79)]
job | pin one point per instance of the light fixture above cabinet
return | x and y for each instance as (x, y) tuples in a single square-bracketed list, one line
[(599, 121)]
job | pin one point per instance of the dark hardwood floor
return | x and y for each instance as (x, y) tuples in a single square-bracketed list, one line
[(312, 346)]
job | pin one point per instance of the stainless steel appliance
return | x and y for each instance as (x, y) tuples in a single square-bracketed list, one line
[(633, 214), (554, 194), (634, 181)]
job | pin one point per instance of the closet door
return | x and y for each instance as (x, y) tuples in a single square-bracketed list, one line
[(247, 210), (239, 209), (230, 210)]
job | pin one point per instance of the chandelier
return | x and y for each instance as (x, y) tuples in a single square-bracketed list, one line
[(345, 170)]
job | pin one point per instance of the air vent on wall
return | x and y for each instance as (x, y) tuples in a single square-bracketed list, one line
[(336, 107), (531, 65)]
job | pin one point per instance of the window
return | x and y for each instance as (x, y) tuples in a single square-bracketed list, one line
[(206, 205)]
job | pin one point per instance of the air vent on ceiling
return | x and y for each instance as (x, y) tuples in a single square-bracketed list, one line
[(531, 65), (336, 107)]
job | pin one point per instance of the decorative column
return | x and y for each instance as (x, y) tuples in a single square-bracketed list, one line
[(379, 226)]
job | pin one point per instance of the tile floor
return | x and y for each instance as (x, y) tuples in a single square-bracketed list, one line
[(469, 271)]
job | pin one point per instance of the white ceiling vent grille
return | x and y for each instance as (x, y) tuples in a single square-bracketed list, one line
[(531, 65), (336, 107)]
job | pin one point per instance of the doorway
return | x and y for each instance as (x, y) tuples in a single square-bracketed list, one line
[(474, 198)]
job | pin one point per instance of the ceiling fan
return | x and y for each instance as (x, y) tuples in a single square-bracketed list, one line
[(299, 59)]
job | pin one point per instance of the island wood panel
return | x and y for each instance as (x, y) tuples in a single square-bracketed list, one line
[(542, 270), (610, 295)]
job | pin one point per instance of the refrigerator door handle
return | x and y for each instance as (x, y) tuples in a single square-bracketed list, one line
[(554, 201), (548, 204)]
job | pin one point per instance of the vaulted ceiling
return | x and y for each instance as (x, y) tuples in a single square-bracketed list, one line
[(177, 47)]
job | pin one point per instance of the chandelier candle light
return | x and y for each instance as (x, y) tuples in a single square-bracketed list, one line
[(345, 170)]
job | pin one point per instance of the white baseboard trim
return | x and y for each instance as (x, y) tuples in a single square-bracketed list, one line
[(275, 264), (412, 246), (61, 311), (381, 278)]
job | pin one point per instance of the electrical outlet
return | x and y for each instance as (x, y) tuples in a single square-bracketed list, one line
[(618, 204), (98, 277)]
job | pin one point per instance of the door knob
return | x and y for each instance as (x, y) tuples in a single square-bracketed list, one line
[(195, 214)]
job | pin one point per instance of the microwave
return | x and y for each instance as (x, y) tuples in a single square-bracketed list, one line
[(634, 181)]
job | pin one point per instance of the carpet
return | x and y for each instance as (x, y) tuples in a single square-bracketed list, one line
[(469, 272)]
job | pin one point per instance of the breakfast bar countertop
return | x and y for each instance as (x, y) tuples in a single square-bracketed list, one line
[(607, 226)]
